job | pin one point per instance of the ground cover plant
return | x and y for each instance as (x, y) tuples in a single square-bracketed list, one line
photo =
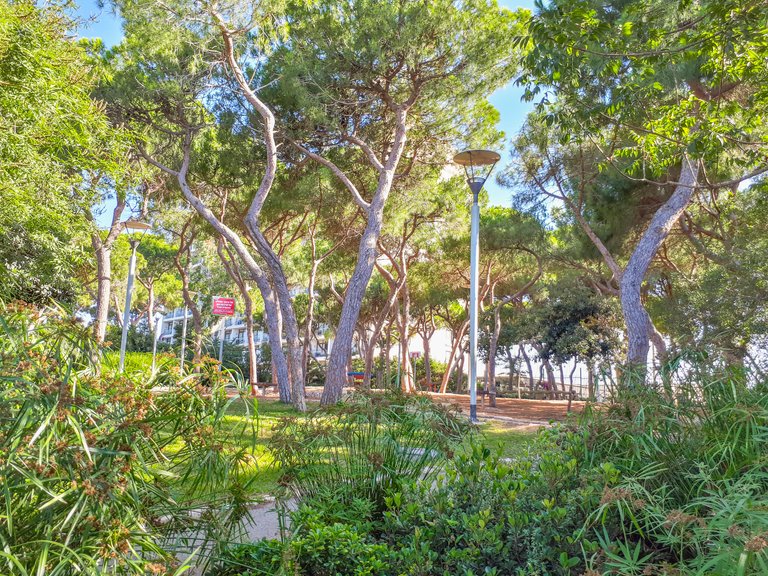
[(101, 475), (651, 485)]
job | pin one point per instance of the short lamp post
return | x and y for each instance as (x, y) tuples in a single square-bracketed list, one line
[(478, 165), (130, 226)]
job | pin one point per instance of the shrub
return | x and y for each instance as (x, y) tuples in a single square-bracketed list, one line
[(100, 475), (252, 559), (338, 550), (690, 495), (485, 516)]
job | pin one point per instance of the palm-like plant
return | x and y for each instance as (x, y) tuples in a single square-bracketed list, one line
[(99, 474), (367, 446)]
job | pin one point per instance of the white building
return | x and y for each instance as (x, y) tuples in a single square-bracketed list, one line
[(234, 331)]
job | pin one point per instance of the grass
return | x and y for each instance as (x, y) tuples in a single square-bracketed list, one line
[(510, 441), (263, 472)]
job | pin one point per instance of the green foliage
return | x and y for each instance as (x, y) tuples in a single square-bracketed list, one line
[(338, 550), (51, 132), (100, 475), (487, 516), (689, 479), (366, 447), (254, 559), (574, 322), (650, 485)]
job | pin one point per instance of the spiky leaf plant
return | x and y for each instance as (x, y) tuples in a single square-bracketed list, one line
[(101, 474)]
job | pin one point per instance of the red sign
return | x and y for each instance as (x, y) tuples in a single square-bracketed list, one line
[(223, 306)]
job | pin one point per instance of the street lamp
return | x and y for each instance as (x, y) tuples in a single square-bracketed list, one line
[(478, 165), (130, 226)]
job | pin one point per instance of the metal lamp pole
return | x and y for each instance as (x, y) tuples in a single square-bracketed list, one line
[(478, 165), (137, 226)]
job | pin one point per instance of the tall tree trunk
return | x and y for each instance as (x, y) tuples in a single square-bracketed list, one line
[(104, 288), (277, 280), (387, 357), (290, 324), (407, 383), (103, 252), (250, 343), (197, 319), (527, 360), (452, 357), (492, 349), (460, 371), (366, 260), (308, 324), (639, 327), (427, 362)]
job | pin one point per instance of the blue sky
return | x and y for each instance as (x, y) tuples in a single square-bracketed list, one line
[(102, 23)]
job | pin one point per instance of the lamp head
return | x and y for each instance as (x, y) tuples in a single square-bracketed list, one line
[(136, 226), (478, 165)]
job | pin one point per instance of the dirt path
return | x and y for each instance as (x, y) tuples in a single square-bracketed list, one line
[(514, 410)]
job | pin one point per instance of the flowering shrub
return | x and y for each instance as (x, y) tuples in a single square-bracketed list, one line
[(99, 474)]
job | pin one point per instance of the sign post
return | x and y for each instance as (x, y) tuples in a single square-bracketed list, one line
[(222, 307)]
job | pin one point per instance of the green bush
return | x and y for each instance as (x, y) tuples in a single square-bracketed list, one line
[(485, 516), (252, 559), (691, 482), (100, 475), (653, 485), (339, 550)]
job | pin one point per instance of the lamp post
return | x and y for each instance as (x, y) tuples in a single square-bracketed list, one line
[(135, 226), (478, 165)]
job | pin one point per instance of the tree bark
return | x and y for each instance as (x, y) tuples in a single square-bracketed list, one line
[(183, 269), (527, 360), (452, 357), (492, 348), (639, 327), (103, 251), (366, 259), (104, 287), (276, 276), (250, 343), (406, 383), (271, 306), (308, 323), (427, 365)]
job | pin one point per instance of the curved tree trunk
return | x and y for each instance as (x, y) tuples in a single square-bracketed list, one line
[(197, 319), (452, 358), (308, 324), (290, 325), (526, 358), (366, 259), (639, 327)]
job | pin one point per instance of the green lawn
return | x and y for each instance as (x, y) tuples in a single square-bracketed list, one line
[(511, 441), (264, 474)]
